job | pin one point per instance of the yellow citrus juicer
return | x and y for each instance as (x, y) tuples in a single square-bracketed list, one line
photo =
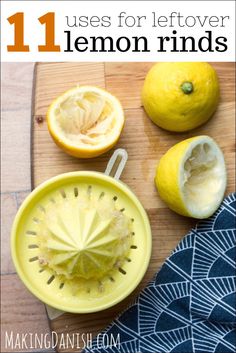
[(81, 241)]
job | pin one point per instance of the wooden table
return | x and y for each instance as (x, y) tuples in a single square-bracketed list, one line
[(21, 312)]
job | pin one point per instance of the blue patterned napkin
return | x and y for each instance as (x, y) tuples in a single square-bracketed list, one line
[(190, 304)]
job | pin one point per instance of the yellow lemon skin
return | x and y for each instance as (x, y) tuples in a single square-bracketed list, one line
[(168, 177), (191, 177), (180, 96), (80, 151)]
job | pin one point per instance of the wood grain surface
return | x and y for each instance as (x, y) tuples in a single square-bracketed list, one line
[(145, 144), (21, 312)]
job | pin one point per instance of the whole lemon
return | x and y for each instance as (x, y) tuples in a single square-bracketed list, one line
[(180, 96)]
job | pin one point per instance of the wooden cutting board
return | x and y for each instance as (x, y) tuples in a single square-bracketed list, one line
[(145, 144)]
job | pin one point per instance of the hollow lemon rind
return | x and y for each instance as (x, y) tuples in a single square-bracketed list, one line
[(169, 177), (88, 151)]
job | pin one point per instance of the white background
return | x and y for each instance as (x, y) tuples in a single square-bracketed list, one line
[(35, 32)]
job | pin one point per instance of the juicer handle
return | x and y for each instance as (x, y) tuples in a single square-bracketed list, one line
[(117, 163)]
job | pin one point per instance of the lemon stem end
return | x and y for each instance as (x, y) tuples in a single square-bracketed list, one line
[(187, 87)]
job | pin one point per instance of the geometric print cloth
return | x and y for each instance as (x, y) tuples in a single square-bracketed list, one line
[(190, 304)]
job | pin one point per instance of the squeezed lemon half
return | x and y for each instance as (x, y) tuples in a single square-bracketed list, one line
[(191, 177), (85, 121)]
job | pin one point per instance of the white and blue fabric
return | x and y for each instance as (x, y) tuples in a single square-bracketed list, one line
[(190, 304)]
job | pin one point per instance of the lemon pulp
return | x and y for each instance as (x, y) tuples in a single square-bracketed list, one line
[(204, 177), (85, 118), (85, 121), (191, 177)]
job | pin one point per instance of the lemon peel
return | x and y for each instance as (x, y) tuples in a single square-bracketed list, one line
[(85, 121), (180, 96), (191, 177)]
